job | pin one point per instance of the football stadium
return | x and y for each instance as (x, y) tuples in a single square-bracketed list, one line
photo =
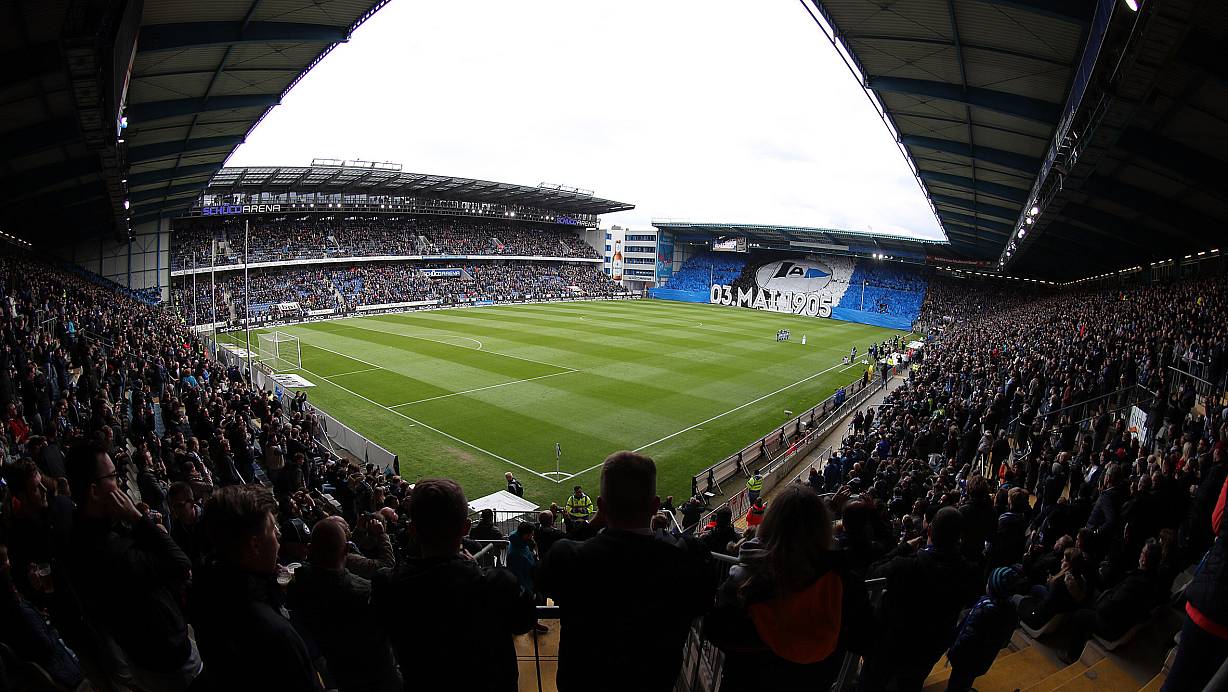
[(344, 426)]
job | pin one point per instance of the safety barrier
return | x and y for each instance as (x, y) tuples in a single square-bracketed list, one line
[(778, 469), (710, 479)]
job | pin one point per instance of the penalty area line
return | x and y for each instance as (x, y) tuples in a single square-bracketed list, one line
[(482, 389), (415, 421), (352, 372)]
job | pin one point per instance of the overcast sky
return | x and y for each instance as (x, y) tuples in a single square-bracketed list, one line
[(712, 110)]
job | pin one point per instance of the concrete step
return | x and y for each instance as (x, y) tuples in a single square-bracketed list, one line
[(528, 675), (1056, 680), (938, 676), (1156, 683), (1017, 670), (547, 643)]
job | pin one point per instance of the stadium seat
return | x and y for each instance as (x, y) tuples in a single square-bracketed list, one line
[(1113, 645), (1049, 627)]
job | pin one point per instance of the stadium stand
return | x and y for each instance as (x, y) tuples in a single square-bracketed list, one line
[(312, 238), (889, 290), (1008, 446), (1039, 505), (701, 271), (347, 287)]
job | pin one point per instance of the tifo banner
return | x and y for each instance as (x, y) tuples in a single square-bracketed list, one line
[(844, 288), (799, 286)]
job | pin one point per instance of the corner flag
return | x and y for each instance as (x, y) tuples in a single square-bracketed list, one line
[(558, 451)]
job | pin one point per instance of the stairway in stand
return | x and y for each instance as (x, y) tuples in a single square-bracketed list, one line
[(1011, 671), (1033, 668)]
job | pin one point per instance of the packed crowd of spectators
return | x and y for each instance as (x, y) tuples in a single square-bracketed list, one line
[(701, 271), (889, 289), (309, 237), (1052, 519), (164, 525), (379, 283)]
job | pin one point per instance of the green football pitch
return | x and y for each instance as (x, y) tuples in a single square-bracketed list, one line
[(471, 393)]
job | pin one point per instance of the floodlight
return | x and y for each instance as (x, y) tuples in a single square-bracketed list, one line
[(1133, 5)]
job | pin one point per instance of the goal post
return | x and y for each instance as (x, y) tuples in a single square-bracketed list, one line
[(279, 351)]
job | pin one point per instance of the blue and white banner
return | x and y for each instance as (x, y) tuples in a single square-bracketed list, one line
[(798, 286)]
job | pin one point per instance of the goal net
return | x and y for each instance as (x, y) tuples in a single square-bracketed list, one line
[(279, 351)]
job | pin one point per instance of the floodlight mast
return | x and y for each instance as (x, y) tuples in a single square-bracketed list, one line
[(247, 302)]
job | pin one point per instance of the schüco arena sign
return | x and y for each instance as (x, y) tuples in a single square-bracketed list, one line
[(227, 209)]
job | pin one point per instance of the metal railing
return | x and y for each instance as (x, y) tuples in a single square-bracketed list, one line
[(1083, 411), (751, 457), (774, 472)]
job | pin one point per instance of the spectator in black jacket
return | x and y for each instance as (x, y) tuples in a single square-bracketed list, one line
[(236, 604), (926, 589), (128, 573), (27, 631), (185, 522), (546, 534), (1106, 513), (1127, 604), (451, 622), (1011, 536), (628, 596), (1204, 636), (333, 609), (1063, 593), (979, 519), (720, 534)]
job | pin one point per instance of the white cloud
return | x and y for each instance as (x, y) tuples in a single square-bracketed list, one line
[(717, 110)]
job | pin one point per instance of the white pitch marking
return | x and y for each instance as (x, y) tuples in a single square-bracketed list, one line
[(481, 389), (415, 421), (479, 348), (353, 372), (719, 415)]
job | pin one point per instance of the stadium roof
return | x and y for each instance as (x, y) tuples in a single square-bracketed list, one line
[(805, 238), (375, 180), (1143, 182), (203, 75), (973, 89), (1108, 121)]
